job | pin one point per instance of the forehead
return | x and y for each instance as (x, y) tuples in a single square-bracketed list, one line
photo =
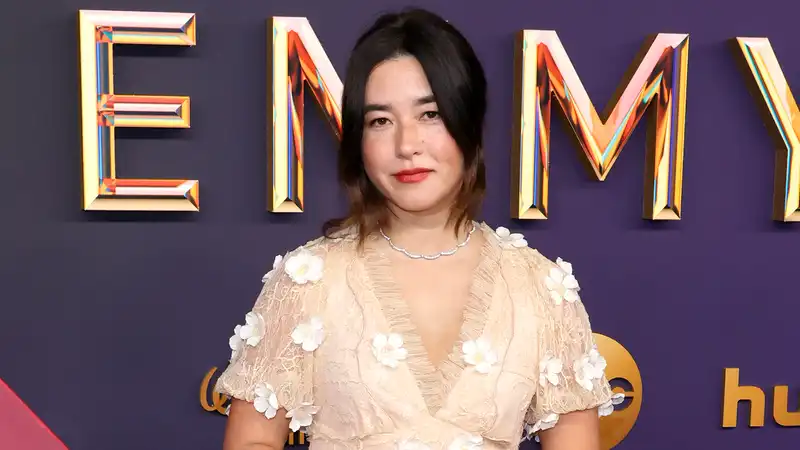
[(397, 81)]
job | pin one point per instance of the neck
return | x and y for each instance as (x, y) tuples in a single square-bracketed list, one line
[(424, 232)]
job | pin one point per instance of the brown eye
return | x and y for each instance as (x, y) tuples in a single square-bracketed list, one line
[(380, 121), (431, 115)]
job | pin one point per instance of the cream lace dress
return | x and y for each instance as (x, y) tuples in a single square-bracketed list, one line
[(330, 340)]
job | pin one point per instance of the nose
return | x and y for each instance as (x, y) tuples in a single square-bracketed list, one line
[(408, 140)]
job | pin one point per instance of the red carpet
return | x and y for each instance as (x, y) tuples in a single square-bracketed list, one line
[(20, 428)]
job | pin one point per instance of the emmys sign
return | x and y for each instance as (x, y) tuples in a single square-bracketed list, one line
[(543, 73)]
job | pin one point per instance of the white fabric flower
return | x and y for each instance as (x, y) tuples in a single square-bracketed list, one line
[(528, 433), (388, 350), (588, 368), (412, 444), (304, 266), (235, 342), (301, 416), (275, 265), (547, 422), (480, 354), (607, 408), (562, 284), (509, 239), (266, 402), (253, 330), (309, 334), (466, 442), (549, 369)]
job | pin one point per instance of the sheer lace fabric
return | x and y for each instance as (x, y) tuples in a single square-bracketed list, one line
[(546, 364)]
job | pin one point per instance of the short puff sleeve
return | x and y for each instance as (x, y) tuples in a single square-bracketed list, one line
[(272, 357), (571, 370)]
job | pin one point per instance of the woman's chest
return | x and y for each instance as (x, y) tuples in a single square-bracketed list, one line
[(372, 377)]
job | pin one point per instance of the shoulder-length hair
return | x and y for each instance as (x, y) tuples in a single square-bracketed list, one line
[(458, 83)]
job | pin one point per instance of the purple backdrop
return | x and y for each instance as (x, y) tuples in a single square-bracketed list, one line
[(110, 320)]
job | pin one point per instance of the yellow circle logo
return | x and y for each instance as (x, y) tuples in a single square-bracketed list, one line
[(624, 376)]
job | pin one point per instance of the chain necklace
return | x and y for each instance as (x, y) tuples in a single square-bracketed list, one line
[(428, 257)]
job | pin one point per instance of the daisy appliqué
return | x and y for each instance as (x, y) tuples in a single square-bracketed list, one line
[(545, 423), (250, 334), (301, 416), (510, 240), (388, 349), (549, 370), (275, 265), (479, 353), (309, 335), (607, 408), (589, 368), (304, 267), (235, 342), (266, 401), (253, 330), (562, 284)]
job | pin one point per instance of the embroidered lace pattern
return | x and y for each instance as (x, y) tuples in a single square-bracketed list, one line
[(547, 363)]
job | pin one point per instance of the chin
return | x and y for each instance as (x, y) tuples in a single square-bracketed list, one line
[(412, 204)]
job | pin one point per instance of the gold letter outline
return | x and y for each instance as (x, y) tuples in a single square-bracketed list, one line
[(296, 58), (543, 70), (769, 84), (102, 110)]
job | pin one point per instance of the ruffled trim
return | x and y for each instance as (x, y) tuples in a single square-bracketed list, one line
[(242, 383), (476, 310), (387, 294), (434, 384)]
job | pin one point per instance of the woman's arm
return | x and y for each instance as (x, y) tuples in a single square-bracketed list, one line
[(248, 429), (271, 366), (579, 430), (572, 381)]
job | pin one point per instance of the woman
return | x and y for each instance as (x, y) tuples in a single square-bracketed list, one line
[(409, 325)]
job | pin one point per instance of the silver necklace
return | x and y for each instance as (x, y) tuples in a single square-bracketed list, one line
[(428, 257)]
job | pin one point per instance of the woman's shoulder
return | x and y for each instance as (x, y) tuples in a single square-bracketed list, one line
[(311, 263), (553, 277), (522, 261), (517, 250)]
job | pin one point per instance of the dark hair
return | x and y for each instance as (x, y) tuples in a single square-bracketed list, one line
[(459, 88)]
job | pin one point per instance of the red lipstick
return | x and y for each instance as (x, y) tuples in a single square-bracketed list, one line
[(412, 175)]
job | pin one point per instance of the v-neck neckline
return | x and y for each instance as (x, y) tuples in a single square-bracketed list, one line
[(435, 383)]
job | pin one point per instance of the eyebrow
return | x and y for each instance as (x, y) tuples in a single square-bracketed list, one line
[(383, 107)]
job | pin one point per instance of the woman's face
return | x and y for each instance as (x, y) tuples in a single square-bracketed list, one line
[(408, 153)]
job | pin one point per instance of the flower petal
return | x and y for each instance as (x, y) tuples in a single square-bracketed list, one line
[(556, 274), (570, 282), (395, 340), (571, 296), (469, 347), (299, 333), (519, 243), (379, 341), (565, 266), (309, 345)]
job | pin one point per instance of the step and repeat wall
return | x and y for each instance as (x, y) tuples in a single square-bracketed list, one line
[(156, 156)]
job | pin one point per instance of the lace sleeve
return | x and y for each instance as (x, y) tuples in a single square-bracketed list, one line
[(571, 371), (273, 352)]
